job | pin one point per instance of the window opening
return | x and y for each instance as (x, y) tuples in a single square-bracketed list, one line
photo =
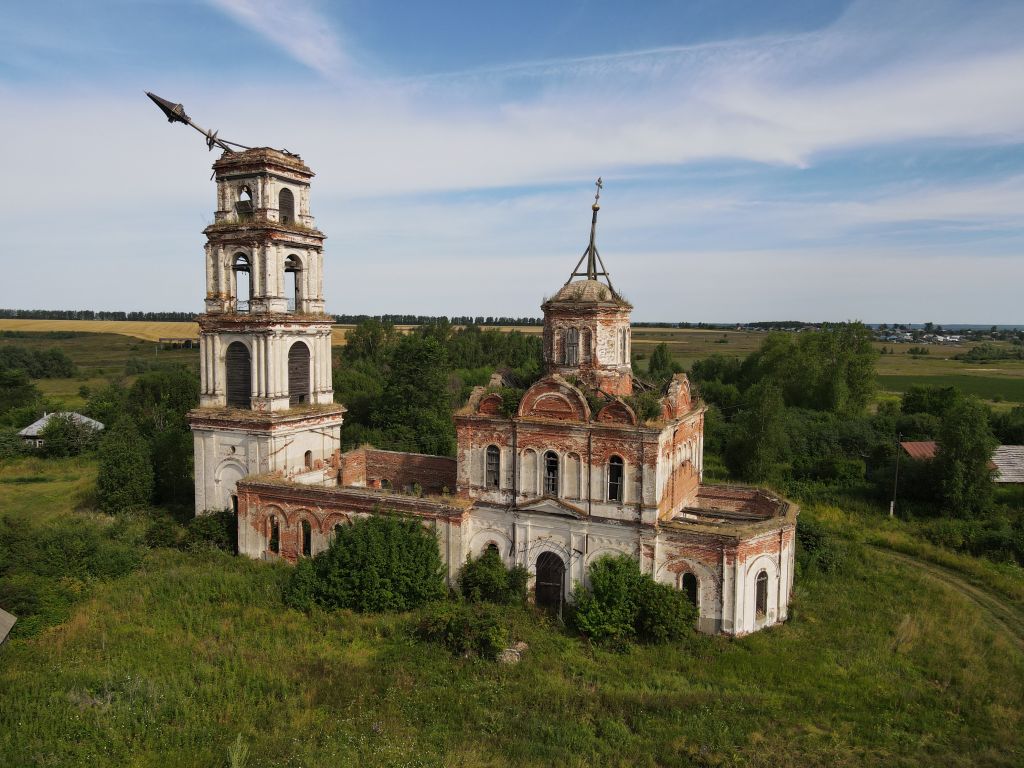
[(243, 283), (493, 466), (615, 476), (491, 547), (307, 538), (244, 208), (761, 601), (293, 283), (307, 459), (551, 473), (623, 336), (585, 350), (572, 347), (275, 536), (234, 505), (690, 588), (286, 206)]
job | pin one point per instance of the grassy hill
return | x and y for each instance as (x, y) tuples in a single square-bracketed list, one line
[(168, 664)]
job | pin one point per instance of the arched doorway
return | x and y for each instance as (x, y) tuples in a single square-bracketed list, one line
[(550, 581), (298, 374), (239, 375)]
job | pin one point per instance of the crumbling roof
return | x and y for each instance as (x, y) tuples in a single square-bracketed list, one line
[(923, 450), (1009, 461), (588, 291), (36, 428)]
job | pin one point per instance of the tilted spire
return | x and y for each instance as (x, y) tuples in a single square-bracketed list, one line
[(595, 266)]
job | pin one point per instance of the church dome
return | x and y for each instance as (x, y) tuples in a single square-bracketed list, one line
[(588, 292)]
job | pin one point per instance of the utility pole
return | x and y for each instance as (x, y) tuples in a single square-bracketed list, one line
[(896, 477)]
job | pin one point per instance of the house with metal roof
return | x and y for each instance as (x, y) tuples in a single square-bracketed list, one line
[(32, 435), (1009, 461)]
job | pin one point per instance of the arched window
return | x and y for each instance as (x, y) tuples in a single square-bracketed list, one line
[(298, 374), (550, 473), (491, 547), (238, 374), (572, 347), (244, 207), (689, 585), (275, 535), (307, 459), (286, 206), (337, 529), (616, 472), (240, 269), (293, 283), (307, 538), (492, 470), (761, 594)]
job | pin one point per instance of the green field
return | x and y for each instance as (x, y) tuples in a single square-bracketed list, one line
[(994, 388), (168, 665)]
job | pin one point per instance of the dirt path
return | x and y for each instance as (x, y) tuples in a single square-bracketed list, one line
[(1002, 615)]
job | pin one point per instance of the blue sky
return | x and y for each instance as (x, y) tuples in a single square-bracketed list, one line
[(809, 160)]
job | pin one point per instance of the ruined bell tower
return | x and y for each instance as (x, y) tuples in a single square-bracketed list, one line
[(266, 397)]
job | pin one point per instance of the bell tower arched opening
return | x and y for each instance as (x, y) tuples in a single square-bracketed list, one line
[(286, 206), (298, 374), (241, 282), (293, 283), (238, 373)]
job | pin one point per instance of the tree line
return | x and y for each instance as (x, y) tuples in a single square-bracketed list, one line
[(37, 363)]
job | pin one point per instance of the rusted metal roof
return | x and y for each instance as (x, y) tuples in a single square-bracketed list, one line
[(923, 450), (1009, 461)]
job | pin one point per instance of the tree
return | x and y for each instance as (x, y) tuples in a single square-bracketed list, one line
[(16, 390), (64, 435), (759, 443), (661, 366), (486, 579), (414, 407), (125, 480), (379, 563), (965, 445)]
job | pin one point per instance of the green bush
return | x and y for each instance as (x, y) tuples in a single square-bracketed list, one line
[(464, 628), (486, 579), (817, 547), (214, 529), (379, 563), (125, 480), (624, 604), (165, 531)]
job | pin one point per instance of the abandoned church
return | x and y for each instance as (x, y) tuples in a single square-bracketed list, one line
[(568, 475)]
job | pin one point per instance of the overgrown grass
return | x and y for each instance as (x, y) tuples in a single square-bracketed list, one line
[(169, 664), (988, 387)]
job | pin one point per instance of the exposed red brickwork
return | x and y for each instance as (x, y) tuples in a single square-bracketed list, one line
[(399, 471), (554, 399)]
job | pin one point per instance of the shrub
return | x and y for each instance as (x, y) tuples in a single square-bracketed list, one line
[(464, 628), (214, 529), (164, 531), (377, 564), (624, 604), (817, 546), (300, 592), (486, 579)]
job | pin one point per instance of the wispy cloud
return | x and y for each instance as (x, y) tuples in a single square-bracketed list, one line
[(295, 26)]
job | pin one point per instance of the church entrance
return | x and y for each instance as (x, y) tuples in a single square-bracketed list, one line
[(550, 582)]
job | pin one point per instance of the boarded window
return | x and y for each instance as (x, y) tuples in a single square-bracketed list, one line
[(572, 347), (491, 474), (298, 374), (239, 375), (528, 479), (616, 471), (689, 584), (761, 594), (550, 473), (623, 345), (286, 206), (585, 346), (307, 538)]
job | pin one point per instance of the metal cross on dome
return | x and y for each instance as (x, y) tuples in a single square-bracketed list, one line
[(595, 264), (600, 185)]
